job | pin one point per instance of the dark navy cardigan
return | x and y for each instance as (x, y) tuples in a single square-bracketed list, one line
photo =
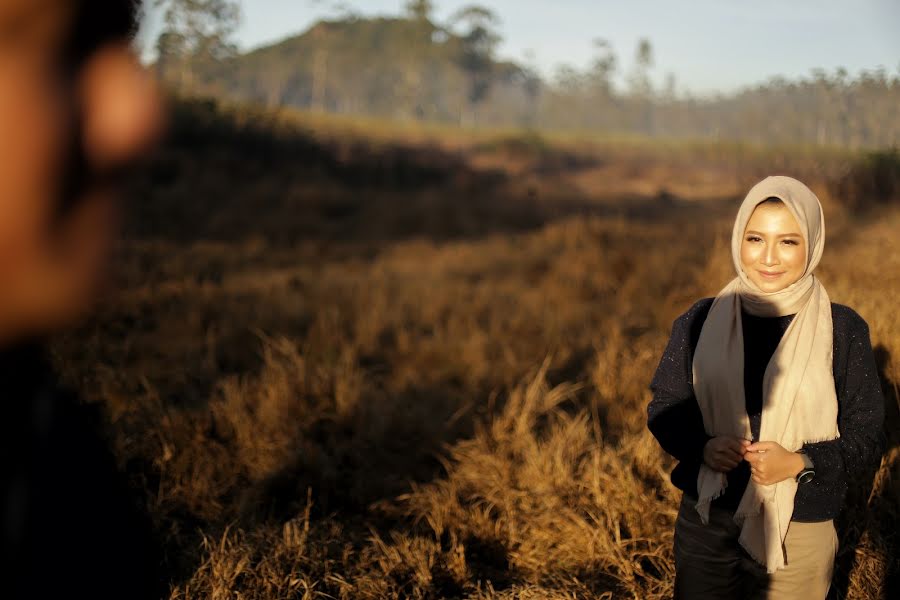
[(674, 416)]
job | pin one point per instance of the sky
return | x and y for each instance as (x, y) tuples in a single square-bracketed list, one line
[(709, 45)]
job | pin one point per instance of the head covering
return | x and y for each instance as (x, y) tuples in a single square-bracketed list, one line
[(807, 211), (799, 398)]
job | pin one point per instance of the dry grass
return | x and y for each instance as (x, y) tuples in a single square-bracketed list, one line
[(453, 408)]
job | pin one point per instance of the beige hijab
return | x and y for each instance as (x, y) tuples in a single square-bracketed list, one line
[(799, 400)]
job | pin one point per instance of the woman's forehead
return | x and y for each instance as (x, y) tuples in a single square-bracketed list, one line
[(774, 216), (772, 209)]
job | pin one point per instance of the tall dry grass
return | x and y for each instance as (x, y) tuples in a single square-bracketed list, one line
[(450, 409)]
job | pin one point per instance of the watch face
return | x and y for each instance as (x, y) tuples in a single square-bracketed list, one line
[(806, 476)]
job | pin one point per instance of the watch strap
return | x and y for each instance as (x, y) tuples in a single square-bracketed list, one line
[(809, 470)]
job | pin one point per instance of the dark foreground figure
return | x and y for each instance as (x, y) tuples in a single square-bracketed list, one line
[(71, 527), (75, 110)]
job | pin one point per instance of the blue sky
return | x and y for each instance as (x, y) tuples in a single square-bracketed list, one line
[(710, 45)]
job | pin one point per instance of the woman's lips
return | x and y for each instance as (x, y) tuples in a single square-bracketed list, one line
[(770, 275)]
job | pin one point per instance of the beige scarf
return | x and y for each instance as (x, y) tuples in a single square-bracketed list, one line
[(799, 400)]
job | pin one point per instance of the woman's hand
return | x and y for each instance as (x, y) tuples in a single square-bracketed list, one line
[(770, 463), (725, 452)]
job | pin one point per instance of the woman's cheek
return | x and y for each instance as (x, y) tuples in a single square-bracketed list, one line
[(747, 255), (795, 259)]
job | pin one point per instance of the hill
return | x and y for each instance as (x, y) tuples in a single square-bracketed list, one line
[(394, 67), (413, 69)]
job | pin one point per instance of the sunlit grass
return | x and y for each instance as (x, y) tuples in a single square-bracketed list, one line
[(337, 407)]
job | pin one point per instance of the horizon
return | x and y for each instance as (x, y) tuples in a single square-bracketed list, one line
[(687, 42)]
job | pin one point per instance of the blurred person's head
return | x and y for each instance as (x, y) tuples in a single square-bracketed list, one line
[(76, 108)]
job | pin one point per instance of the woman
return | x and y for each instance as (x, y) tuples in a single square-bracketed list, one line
[(769, 398)]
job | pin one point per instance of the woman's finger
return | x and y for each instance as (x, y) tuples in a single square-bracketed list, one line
[(734, 445), (730, 454)]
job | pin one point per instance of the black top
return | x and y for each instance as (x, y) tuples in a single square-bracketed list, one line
[(69, 524), (674, 416)]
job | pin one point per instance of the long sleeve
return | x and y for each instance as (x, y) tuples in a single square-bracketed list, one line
[(673, 415), (860, 418)]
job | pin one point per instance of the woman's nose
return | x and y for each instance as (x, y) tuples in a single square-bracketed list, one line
[(769, 257), (122, 107)]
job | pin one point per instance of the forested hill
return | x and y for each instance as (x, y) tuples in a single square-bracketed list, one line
[(411, 68), (390, 67)]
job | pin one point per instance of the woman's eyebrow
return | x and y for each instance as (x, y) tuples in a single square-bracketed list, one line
[(782, 235)]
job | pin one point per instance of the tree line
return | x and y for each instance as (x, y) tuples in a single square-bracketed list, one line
[(413, 67)]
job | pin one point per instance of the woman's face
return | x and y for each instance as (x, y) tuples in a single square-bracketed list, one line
[(773, 251)]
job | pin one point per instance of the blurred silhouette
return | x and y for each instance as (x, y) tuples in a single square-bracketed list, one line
[(75, 110)]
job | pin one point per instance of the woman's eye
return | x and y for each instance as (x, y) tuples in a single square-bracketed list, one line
[(754, 238), (791, 242)]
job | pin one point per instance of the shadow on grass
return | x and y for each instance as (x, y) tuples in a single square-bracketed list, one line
[(229, 177)]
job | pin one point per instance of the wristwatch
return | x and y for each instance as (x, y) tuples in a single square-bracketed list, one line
[(809, 470)]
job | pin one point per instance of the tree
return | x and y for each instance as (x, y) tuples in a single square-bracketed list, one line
[(603, 66), (195, 32), (641, 88), (420, 10), (418, 34), (529, 81), (640, 76), (670, 89), (478, 43)]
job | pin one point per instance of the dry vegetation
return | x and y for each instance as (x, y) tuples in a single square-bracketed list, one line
[(341, 369)]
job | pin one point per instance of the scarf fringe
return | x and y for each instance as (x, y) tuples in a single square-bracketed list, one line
[(708, 501), (758, 559), (820, 440)]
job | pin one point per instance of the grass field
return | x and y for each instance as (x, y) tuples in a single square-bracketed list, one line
[(350, 366)]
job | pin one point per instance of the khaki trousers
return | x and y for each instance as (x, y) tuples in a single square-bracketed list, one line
[(710, 563)]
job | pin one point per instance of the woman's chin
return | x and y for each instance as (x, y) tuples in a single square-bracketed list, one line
[(770, 287)]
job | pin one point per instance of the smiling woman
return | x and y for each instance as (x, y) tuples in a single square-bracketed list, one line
[(773, 251), (768, 395)]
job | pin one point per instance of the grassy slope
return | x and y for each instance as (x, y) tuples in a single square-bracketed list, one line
[(363, 367)]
